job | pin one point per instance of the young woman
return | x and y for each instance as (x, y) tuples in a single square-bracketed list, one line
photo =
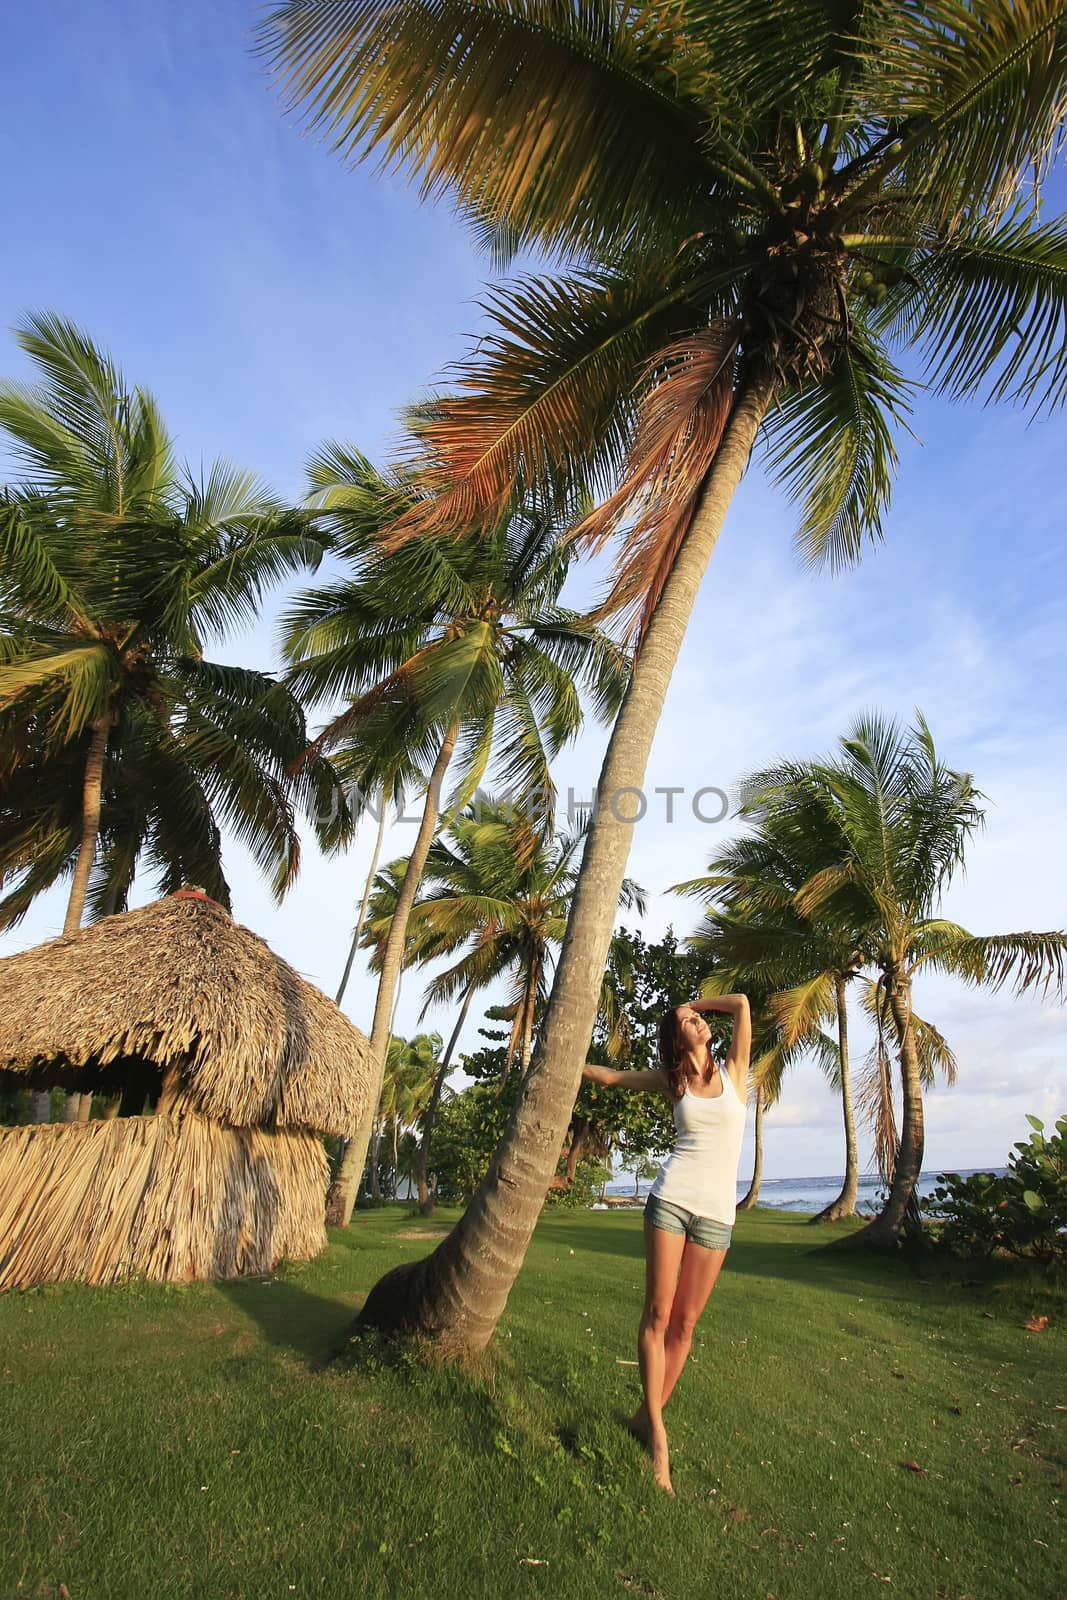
[(692, 1204)]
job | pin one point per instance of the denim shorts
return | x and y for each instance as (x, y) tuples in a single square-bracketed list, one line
[(711, 1235)]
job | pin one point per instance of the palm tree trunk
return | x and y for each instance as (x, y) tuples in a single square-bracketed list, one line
[(752, 1196), (513, 1043), (426, 1200), (900, 1211), (396, 1158), (41, 1105), (845, 1204), (374, 1187), (364, 903), (342, 1195), (529, 1012), (91, 793), (456, 1295), (94, 778)]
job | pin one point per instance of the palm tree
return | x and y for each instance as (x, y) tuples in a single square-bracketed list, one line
[(775, 194), (443, 645), (892, 823), (121, 742), (411, 1070)]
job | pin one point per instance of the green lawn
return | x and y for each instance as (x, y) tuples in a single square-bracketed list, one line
[(187, 1442)]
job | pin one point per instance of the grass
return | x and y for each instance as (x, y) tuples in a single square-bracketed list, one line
[(188, 1442)]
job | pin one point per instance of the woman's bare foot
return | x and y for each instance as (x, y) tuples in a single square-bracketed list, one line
[(661, 1461)]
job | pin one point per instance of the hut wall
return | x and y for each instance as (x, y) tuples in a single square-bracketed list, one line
[(166, 1198)]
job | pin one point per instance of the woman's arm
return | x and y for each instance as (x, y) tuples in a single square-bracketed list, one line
[(643, 1082), (738, 1056), (732, 1004)]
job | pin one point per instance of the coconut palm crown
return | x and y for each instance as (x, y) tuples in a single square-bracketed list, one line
[(120, 741), (441, 648), (778, 193)]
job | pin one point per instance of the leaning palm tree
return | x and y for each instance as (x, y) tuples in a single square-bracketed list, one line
[(443, 648), (891, 826), (121, 743), (776, 194)]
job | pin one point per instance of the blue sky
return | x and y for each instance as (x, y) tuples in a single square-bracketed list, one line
[(271, 299)]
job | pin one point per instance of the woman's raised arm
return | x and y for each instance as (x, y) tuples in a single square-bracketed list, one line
[(609, 1078), (739, 1054)]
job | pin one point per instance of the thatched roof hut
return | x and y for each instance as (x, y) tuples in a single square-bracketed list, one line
[(178, 1007)]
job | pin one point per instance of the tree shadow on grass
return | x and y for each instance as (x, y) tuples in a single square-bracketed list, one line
[(799, 1253), (306, 1325)]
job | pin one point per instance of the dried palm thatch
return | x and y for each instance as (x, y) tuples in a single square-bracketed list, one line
[(169, 1198), (179, 988), (244, 1059)]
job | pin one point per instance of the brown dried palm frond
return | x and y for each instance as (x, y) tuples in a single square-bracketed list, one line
[(874, 1087), (548, 399), (683, 414), (874, 1101)]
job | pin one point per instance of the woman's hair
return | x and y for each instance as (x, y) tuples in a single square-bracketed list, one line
[(671, 1054)]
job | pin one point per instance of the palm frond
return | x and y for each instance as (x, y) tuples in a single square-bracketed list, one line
[(546, 401), (33, 575), (874, 1102), (79, 678), (935, 1053), (84, 432), (831, 444), (799, 1011), (684, 410), (979, 96), (987, 303), (1026, 960), (492, 101)]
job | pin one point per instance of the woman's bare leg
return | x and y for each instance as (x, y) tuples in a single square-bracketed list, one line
[(700, 1269), (663, 1258)]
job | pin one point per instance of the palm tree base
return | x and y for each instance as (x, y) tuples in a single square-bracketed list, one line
[(397, 1308), (877, 1235), (836, 1211)]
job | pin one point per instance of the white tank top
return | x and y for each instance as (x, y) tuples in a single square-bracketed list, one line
[(700, 1174)]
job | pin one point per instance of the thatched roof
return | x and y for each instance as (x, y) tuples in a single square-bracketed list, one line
[(178, 983)]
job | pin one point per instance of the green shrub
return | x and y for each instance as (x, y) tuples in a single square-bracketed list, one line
[(1023, 1212)]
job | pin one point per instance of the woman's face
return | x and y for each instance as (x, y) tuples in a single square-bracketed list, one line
[(692, 1031)]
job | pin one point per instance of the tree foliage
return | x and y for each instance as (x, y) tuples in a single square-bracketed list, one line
[(117, 567), (1022, 1212)]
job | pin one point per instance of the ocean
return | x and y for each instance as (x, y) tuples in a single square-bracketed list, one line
[(807, 1194)]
